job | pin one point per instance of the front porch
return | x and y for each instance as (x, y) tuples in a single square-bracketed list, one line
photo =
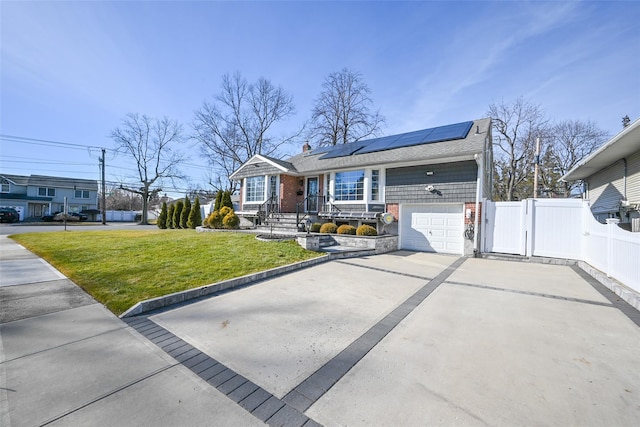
[(273, 215)]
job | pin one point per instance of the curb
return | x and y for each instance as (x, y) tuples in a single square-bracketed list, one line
[(626, 294), (179, 297)]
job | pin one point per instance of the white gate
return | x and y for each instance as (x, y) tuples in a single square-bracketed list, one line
[(535, 227), (504, 224)]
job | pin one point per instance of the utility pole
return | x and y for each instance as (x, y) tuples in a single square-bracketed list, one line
[(104, 188), (535, 173)]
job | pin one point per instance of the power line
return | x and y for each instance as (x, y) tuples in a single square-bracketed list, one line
[(35, 141)]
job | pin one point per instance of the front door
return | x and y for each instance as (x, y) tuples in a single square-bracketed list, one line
[(312, 194)]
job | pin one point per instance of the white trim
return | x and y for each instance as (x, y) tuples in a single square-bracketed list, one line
[(257, 158), (264, 190)]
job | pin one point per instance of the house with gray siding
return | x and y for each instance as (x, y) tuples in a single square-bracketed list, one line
[(431, 181), (34, 196), (611, 176)]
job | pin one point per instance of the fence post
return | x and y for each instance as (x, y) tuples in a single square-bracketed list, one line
[(611, 222), (527, 208)]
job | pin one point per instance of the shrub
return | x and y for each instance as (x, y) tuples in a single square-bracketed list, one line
[(218, 204), (225, 210), (315, 227), (195, 217), (177, 212), (162, 218), (347, 229), (366, 230), (226, 200), (170, 212), (215, 219), (328, 227), (230, 220), (186, 210)]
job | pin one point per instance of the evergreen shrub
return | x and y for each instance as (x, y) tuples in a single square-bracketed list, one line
[(366, 230), (329, 228), (347, 229), (230, 220)]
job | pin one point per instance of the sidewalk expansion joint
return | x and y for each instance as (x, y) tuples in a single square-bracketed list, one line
[(320, 382), (535, 294), (110, 393), (251, 397), (63, 345)]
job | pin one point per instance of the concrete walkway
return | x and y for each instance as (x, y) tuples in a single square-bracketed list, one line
[(396, 339)]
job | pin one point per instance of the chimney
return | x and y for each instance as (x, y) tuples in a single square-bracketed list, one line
[(306, 147)]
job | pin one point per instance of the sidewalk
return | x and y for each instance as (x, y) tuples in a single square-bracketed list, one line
[(66, 360)]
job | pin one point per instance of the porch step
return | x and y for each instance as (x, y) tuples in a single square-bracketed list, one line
[(326, 241), (282, 223)]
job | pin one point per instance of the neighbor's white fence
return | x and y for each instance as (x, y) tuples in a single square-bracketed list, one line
[(125, 216), (562, 228)]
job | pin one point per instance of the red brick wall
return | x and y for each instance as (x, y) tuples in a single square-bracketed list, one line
[(394, 209), (472, 206), (289, 186)]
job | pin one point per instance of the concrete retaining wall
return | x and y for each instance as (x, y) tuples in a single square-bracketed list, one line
[(379, 244)]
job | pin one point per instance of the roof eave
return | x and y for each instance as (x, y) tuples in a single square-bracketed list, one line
[(618, 147)]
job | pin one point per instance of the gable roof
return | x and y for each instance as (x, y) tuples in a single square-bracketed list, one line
[(316, 161), (259, 164), (620, 146)]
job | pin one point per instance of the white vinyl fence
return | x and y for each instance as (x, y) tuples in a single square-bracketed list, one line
[(562, 228)]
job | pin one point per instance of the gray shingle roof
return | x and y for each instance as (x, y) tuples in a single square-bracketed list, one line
[(438, 152), (430, 153)]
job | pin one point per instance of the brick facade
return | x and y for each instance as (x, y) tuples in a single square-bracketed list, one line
[(394, 209), (289, 186), (472, 206)]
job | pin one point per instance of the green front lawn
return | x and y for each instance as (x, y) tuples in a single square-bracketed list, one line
[(122, 267)]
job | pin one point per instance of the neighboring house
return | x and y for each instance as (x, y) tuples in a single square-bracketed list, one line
[(611, 176), (432, 181), (36, 195)]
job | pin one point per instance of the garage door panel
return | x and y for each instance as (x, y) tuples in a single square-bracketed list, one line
[(432, 228)]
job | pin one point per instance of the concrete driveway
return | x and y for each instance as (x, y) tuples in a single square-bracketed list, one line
[(421, 339), (397, 339)]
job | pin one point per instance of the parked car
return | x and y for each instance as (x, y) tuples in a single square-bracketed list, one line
[(9, 215), (49, 217)]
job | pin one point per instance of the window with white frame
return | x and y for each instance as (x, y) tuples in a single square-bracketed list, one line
[(254, 191), (46, 192), (375, 185), (4, 187), (82, 194), (349, 185)]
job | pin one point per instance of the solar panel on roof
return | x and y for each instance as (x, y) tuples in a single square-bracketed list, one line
[(343, 150), (450, 132), (425, 136)]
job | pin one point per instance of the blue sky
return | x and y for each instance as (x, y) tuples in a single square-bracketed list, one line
[(70, 71)]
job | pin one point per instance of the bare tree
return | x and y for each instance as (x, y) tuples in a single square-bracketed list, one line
[(515, 128), (151, 144), (238, 124), (567, 143), (342, 112)]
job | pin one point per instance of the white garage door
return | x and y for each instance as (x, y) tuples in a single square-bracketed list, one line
[(432, 228)]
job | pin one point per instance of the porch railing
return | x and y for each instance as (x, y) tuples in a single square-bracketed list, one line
[(322, 204)]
